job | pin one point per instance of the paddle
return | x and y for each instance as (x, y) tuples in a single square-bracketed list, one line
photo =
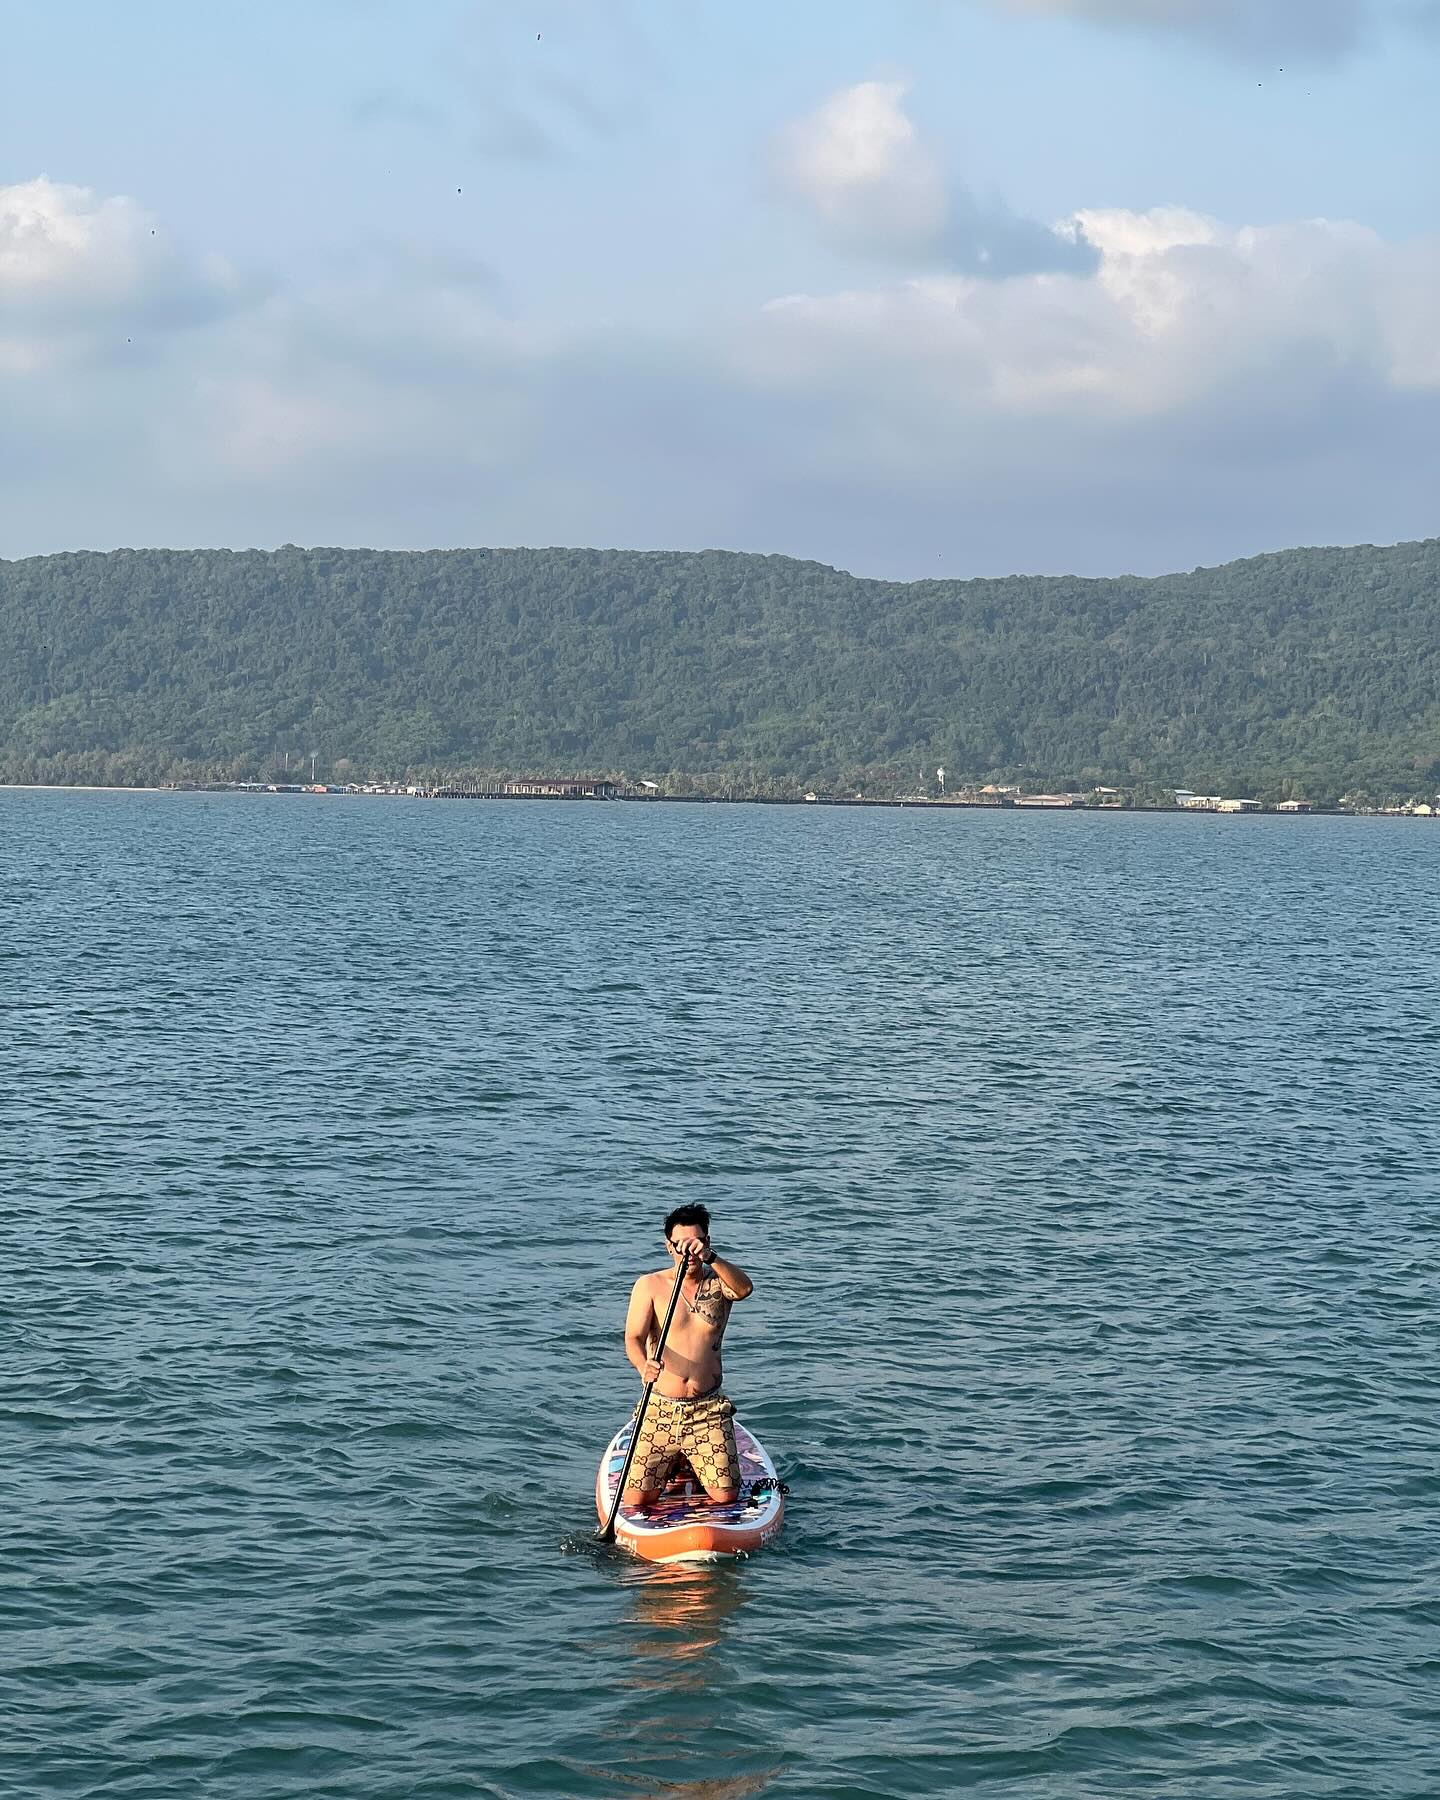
[(607, 1535)]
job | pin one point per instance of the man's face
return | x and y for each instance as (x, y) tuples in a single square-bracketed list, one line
[(688, 1237)]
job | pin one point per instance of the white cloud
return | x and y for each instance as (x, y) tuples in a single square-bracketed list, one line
[(858, 161), (1179, 307), (78, 271), (874, 187)]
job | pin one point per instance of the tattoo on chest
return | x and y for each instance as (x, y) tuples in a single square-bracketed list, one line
[(710, 1304)]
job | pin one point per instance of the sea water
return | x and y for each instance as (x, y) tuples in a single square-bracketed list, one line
[(1085, 1167)]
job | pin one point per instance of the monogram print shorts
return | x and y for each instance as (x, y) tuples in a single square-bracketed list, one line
[(699, 1432)]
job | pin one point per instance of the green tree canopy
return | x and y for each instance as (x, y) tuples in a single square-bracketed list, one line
[(1310, 670)]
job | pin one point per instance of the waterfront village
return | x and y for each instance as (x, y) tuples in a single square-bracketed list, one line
[(582, 787)]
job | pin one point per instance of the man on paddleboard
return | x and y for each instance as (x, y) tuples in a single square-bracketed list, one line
[(688, 1418)]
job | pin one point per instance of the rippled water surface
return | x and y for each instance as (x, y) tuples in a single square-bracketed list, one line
[(1086, 1170)]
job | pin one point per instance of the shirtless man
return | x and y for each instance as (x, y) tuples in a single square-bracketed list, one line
[(688, 1418)]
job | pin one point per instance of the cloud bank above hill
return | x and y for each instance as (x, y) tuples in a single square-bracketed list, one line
[(1180, 311), (1125, 389)]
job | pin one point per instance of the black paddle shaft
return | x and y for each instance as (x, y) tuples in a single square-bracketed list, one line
[(607, 1534)]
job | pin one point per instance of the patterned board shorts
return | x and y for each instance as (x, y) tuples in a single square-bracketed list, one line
[(700, 1432)]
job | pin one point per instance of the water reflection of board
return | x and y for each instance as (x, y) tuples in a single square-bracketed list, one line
[(682, 1525)]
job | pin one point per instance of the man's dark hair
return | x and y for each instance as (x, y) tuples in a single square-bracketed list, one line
[(687, 1215)]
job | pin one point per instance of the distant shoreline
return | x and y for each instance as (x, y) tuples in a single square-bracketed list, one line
[(86, 787), (915, 803)]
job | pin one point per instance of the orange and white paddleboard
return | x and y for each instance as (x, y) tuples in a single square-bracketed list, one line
[(682, 1525)]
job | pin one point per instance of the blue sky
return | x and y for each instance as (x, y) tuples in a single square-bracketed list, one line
[(915, 287)]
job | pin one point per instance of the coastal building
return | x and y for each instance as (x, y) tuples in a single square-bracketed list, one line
[(1237, 806), (579, 787), (1052, 800), (1293, 806)]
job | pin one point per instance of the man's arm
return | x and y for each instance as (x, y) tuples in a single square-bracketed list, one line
[(639, 1318), (736, 1283)]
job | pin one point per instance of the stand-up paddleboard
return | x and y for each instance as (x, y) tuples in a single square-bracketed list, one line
[(682, 1525)]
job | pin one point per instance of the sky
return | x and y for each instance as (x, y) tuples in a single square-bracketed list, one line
[(916, 288)]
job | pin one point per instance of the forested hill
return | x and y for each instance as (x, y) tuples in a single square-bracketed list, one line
[(1314, 666)]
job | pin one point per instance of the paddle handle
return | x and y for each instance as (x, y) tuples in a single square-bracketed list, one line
[(607, 1533)]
